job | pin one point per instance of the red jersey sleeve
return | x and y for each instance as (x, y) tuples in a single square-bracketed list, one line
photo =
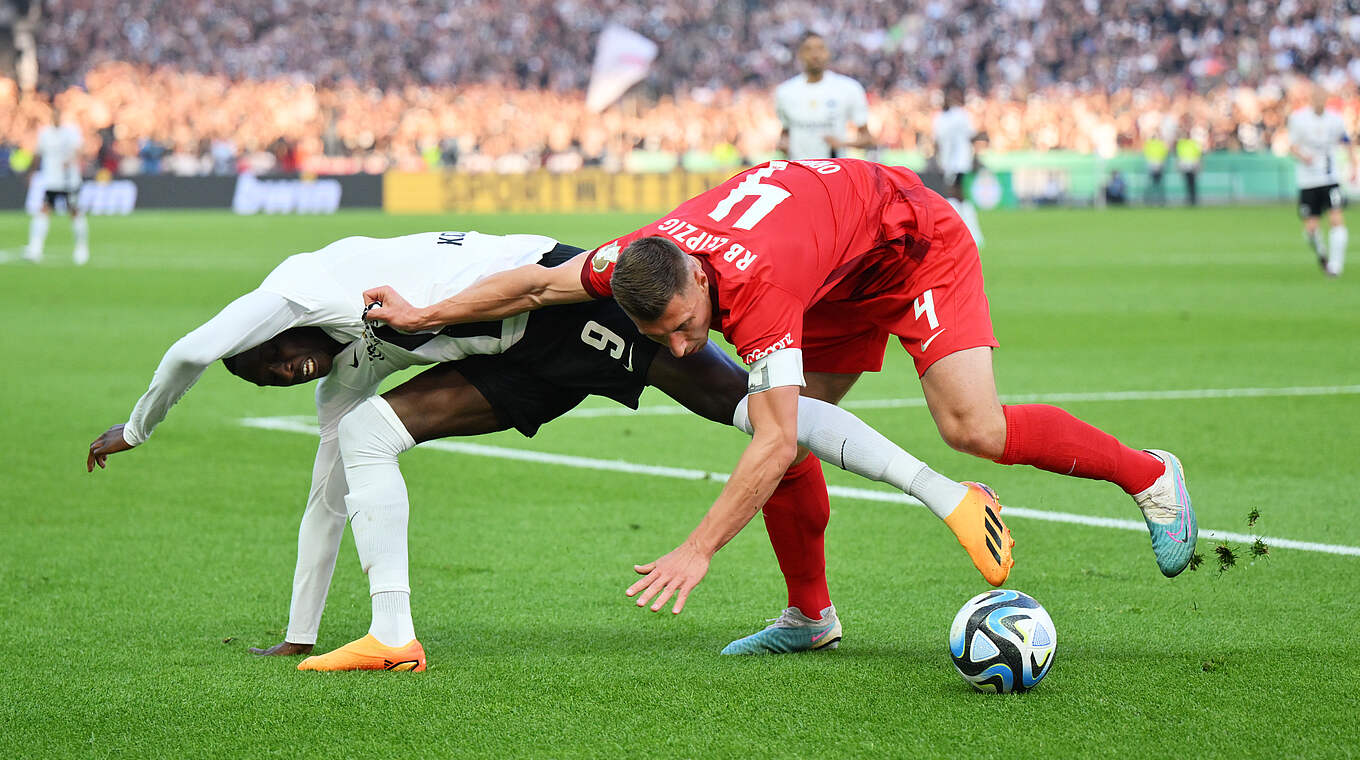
[(599, 268), (762, 319)]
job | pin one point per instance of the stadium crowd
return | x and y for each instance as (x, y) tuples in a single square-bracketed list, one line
[(348, 85)]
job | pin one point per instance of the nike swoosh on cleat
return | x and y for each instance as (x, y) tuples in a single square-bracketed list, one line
[(925, 344), (822, 635), (1182, 526)]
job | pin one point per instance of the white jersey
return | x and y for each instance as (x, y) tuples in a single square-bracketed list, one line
[(325, 289), (954, 135), (1317, 135), (59, 150), (812, 111)]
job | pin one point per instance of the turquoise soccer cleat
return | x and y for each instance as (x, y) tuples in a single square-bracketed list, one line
[(1169, 517), (792, 632)]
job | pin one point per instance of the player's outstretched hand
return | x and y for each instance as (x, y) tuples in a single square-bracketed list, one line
[(392, 309), (111, 442), (675, 574), (282, 649)]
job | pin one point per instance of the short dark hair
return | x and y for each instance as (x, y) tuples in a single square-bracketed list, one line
[(808, 35), (650, 272)]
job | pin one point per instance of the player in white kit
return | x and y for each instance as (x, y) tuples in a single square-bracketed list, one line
[(59, 171), (954, 134), (304, 322), (1314, 133), (819, 108)]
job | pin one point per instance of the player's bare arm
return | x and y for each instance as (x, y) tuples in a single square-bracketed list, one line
[(496, 296), (774, 414), (110, 442)]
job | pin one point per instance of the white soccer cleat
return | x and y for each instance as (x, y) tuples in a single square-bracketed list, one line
[(81, 256)]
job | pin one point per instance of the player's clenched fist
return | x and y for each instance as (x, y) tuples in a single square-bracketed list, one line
[(387, 306)]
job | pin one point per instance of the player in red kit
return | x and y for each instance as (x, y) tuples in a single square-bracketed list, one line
[(807, 268)]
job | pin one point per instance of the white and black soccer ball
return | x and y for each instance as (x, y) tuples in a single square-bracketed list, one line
[(1003, 640)]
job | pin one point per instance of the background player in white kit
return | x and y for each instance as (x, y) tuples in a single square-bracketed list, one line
[(1314, 133), (818, 108), (59, 170), (954, 135)]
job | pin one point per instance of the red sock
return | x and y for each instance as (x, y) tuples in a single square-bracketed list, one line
[(796, 517), (1048, 438)]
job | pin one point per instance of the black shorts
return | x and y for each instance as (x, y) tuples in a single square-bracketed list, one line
[(567, 353), (1315, 200), (68, 197)]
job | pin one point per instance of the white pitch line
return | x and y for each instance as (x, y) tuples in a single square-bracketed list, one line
[(303, 425), (1031, 398)]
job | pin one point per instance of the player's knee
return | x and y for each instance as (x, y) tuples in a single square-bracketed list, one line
[(352, 433), (370, 430), (979, 435)]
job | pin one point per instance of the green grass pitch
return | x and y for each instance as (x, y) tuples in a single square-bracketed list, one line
[(132, 594)]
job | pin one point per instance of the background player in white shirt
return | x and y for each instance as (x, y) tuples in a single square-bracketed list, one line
[(1314, 133), (304, 322), (818, 108), (954, 134), (59, 171)]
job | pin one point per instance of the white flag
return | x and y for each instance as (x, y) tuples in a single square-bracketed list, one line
[(622, 58)]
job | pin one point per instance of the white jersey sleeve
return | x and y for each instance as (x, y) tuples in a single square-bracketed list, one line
[(781, 105), (248, 321)]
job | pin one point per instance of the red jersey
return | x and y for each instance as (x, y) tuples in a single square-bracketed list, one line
[(781, 237)]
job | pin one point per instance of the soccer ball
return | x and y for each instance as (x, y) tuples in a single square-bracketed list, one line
[(1004, 640)]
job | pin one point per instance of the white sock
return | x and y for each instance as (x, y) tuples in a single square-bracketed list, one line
[(968, 213), (1314, 242), (81, 226), (37, 234), (392, 618), (1336, 251), (970, 218), (371, 438), (842, 439)]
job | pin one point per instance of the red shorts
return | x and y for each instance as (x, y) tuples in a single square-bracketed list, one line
[(939, 310)]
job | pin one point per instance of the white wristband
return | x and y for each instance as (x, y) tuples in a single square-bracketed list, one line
[(783, 367)]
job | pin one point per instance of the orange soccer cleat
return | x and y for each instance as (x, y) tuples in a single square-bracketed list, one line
[(369, 654), (976, 522)]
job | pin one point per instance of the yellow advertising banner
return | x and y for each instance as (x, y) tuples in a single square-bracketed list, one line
[(584, 191)]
